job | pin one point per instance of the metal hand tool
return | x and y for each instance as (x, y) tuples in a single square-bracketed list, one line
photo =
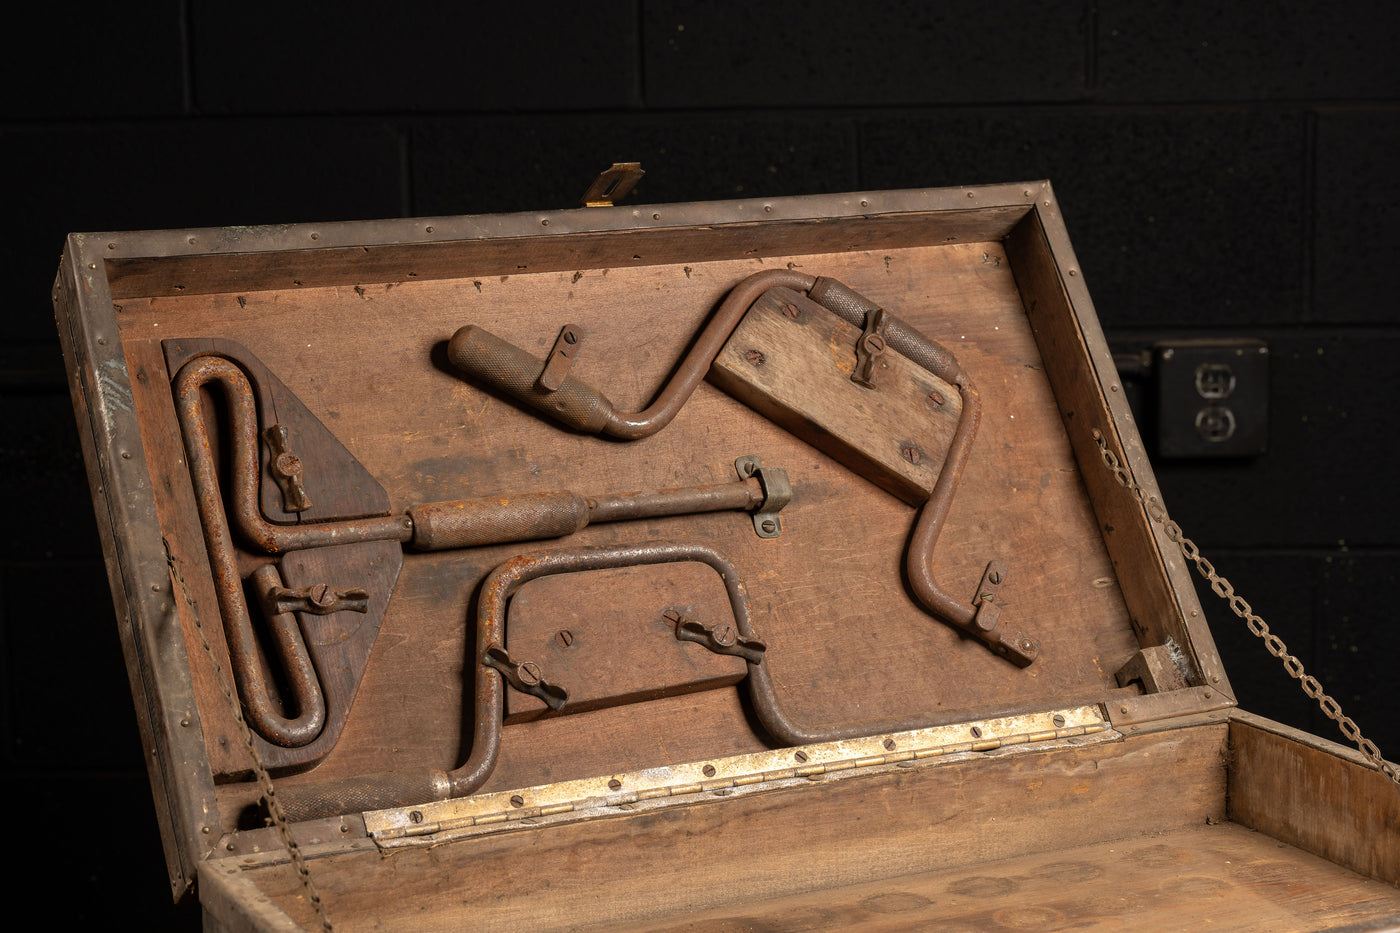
[(430, 527), (506, 367), (420, 785)]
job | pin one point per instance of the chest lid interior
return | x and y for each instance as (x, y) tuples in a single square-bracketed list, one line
[(400, 488)]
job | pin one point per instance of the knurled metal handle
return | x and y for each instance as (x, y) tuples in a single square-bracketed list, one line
[(504, 366)]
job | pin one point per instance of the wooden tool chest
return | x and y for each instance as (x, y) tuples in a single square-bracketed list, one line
[(549, 601)]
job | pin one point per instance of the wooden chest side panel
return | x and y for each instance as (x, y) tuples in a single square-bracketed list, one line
[(1210, 877), (1315, 795), (645, 867)]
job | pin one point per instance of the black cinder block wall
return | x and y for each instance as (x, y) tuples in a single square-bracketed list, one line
[(1225, 171)]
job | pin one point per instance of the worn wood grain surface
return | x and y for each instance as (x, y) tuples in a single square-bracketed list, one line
[(1315, 795)]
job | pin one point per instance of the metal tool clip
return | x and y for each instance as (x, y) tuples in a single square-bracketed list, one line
[(285, 466), (721, 638), (318, 599), (525, 676), (869, 348), (777, 493), (561, 357)]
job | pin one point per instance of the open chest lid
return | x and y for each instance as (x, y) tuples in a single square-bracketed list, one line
[(499, 490)]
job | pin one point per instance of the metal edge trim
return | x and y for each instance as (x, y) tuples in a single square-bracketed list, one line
[(1124, 428), (618, 218), (125, 505)]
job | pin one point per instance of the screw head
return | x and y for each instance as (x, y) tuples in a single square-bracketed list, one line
[(1058, 720), (415, 816), (708, 770), (755, 357), (724, 634), (570, 337), (564, 638), (994, 577), (976, 732), (614, 784), (672, 616), (769, 526), (517, 801), (912, 454), (800, 755), (790, 310), (287, 465), (889, 745), (530, 673)]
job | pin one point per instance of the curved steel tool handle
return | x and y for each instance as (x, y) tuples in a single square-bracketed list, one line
[(509, 369)]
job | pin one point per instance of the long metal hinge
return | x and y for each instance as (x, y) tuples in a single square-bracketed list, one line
[(575, 800)]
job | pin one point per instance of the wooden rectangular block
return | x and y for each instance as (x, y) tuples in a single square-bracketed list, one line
[(791, 360)]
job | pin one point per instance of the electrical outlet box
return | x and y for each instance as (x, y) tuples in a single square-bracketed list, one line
[(1212, 398)]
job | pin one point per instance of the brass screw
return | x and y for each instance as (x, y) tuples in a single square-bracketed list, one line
[(614, 784), (889, 745), (800, 755), (517, 801), (416, 816), (1058, 720), (708, 770), (769, 526), (977, 732)]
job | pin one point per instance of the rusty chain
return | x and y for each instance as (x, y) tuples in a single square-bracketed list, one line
[(269, 793), (1223, 588)]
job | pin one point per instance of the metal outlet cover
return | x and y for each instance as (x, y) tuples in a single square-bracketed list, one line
[(1212, 398)]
